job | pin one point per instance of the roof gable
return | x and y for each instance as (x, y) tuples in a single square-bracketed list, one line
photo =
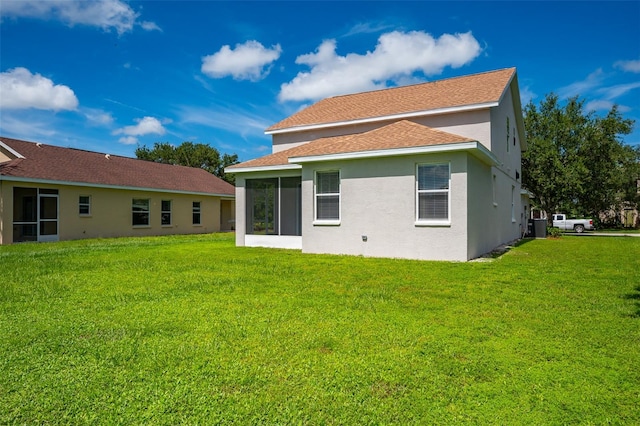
[(476, 89), (397, 135), (53, 163)]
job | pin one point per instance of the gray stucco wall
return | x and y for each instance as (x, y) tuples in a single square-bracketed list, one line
[(378, 201)]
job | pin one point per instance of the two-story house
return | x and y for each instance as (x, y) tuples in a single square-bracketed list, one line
[(427, 171)]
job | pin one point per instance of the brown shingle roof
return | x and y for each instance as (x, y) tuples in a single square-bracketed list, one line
[(401, 134), (453, 92), (48, 162)]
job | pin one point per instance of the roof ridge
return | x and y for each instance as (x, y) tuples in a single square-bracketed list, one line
[(420, 84), (40, 144), (104, 154)]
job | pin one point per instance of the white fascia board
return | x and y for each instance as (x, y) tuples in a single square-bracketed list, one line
[(11, 150), (402, 116), (99, 185), (476, 148), (263, 168)]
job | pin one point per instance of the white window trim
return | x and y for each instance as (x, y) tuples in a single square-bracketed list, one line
[(82, 204), (327, 222), (148, 225), (199, 212), (432, 222), (170, 211)]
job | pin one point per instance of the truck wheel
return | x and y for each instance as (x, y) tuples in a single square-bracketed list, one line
[(579, 229)]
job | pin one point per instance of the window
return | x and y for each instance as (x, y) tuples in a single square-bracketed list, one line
[(140, 212), (432, 200), (165, 213), (196, 212), (84, 205), (327, 196)]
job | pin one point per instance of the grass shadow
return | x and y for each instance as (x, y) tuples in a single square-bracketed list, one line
[(635, 296), (523, 241), (498, 252)]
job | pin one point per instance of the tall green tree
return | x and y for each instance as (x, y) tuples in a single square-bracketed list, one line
[(576, 162), (190, 154)]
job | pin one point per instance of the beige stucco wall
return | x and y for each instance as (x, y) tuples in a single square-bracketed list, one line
[(227, 215), (111, 212), (378, 201)]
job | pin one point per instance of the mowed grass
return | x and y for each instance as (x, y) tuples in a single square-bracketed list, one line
[(192, 330)]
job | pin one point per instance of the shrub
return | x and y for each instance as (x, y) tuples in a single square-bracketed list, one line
[(553, 232)]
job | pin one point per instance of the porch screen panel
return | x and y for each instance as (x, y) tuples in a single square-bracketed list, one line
[(262, 205), (25, 214), (48, 215), (290, 206), (48, 208)]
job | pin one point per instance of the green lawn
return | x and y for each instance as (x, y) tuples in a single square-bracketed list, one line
[(193, 330)]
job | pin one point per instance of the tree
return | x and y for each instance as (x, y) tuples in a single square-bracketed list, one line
[(190, 154), (576, 161)]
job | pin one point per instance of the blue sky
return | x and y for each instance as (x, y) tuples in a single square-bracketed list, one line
[(108, 75)]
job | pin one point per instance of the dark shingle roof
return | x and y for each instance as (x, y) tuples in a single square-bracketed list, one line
[(53, 163)]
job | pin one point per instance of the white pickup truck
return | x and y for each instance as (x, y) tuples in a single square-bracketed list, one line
[(578, 225)]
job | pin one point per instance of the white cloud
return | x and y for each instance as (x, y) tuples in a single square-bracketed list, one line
[(144, 126), (30, 127), (603, 97), (618, 90), (150, 26), (21, 89), (526, 95), (128, 140), (231, 120), (629, 66), (367, 28), (97, 116), (248, 61), (604, 105), (397, 55), (105, 14), (598, 105), (580, 88)]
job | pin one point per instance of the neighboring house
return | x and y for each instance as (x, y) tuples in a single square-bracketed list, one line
[(429, 171), (625, 215), (49, 193)]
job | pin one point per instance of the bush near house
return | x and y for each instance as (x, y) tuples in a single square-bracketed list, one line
[(190, 329)]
